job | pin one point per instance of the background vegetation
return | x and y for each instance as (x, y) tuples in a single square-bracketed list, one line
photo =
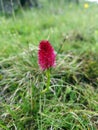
[(72, 102)]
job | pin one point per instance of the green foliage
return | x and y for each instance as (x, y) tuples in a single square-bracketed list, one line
[(72, 102)]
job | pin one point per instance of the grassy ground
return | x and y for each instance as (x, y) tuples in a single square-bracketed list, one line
[(72, 102)]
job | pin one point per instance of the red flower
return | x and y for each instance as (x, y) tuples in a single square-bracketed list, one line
[(46, 55)]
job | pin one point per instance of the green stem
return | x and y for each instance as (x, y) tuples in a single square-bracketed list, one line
[(48, 81)]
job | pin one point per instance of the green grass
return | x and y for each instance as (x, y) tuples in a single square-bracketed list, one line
[(72, 102)]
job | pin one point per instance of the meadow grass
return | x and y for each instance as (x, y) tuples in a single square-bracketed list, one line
[(72, 102)]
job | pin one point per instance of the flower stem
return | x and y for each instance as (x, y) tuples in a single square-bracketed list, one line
[(48, 81)]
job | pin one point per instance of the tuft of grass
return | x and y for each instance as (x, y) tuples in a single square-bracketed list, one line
[(68, 105)]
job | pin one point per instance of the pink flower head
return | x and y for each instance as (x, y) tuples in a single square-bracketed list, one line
[(46, 55)]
